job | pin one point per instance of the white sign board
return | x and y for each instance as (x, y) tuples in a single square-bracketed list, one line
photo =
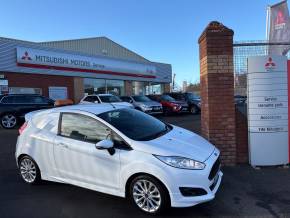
[(63, 61), (268, 110), (57, 93)]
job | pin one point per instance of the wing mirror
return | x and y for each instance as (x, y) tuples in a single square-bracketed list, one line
[(131, 101), (105, 144)]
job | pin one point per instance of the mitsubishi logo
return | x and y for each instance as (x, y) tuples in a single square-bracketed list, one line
[(270, 64), (26, 57), (280, 19)]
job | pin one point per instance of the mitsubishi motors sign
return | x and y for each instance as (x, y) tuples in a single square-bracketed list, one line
[(279, 28), (37, 58), (268, 110)]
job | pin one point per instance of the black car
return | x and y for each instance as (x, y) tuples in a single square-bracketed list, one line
[(192, 100), (13, 107), (240, 99)]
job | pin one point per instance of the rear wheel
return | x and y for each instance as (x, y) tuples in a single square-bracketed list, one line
[(149, 195), (8, 121), (29, 170), (193, 109)]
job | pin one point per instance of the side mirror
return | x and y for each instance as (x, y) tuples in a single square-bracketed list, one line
[(131, 101), (105, 144), (97, 102)]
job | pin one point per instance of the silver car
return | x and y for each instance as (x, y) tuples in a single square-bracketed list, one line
[(105, 98), (144, 104)]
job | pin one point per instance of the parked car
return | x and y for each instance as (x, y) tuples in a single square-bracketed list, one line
[(240, 99), (192, 100), (104, 98), (13, 107), (119, 151), (144, 104), (169, 104)]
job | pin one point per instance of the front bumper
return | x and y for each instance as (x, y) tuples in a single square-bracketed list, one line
[(153, 110), (195, 179), (183, 109)]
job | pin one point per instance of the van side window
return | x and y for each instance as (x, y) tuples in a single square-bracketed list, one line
[(83, 128)]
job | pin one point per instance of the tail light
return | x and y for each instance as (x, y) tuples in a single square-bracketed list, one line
[(21, 129)]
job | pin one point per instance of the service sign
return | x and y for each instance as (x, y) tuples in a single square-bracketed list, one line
[(268, 110), (37, 58)]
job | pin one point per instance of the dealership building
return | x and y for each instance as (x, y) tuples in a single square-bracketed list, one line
[(73, 68)]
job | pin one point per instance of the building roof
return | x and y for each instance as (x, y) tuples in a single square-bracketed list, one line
[(96, 46)]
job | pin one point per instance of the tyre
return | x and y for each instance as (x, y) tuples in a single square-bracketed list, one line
[(193, 109), (166, 111), (9, 121), (149, 195), (29, 170)]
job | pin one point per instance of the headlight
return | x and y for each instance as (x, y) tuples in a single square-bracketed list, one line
[(181, 162)]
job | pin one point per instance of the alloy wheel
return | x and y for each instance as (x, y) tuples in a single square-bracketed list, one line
[(147, 196), (193, 110), (28, 170), (8, 121)]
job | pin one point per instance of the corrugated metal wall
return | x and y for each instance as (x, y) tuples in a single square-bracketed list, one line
[(96, 46), (8, 63)]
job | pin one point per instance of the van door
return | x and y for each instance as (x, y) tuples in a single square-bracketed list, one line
[(78, 160)]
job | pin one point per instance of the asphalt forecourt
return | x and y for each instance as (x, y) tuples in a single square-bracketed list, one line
[(244, 191)]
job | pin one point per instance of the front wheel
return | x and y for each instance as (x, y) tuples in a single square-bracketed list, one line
[(149, 195), (29, 170), (193, 109), (8, 121)]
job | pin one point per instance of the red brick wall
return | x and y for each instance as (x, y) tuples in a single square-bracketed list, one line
[(128, 88), (40, 81), (166, 88), (242, 137)]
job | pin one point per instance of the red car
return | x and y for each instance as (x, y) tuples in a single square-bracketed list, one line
[(169, 104)]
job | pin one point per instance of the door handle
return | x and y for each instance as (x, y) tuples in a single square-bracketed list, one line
[(63, 145)]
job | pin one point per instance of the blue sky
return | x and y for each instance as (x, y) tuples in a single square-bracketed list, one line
[(160, 30)]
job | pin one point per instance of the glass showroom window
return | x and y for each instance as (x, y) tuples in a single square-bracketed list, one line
[(115, 87), (94, 86), (139, 88), (24, 90), (154, 89)]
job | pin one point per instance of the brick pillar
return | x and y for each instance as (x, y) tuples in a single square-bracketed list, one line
[(78, 89), (166, 88), (128, 88), (217, 89)]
